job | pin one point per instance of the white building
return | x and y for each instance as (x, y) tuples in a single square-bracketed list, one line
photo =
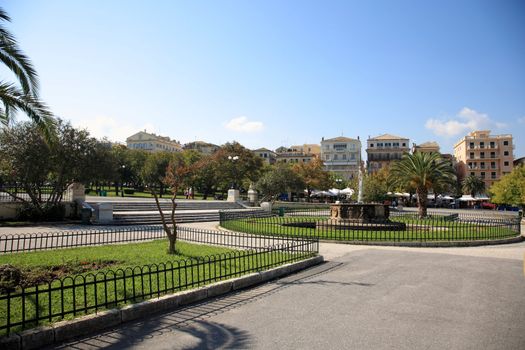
[(341, 155), (152, 143)]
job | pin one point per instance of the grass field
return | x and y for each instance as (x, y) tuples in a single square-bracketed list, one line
[(91, 279), (431, 229)]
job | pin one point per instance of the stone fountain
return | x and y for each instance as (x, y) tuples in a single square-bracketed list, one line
[(360, 216)]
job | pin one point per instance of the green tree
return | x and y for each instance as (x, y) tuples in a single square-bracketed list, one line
[(279, 179), (241, 171), (32, 163), (25, 96), (421, 171), (473, 185), (154, 170), (177, 173), (375, 188), (313, 175), (510, 189)]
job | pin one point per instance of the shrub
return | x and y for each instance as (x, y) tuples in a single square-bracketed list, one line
[(129, 191)]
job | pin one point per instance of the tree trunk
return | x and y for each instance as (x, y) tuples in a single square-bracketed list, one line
[(422, 202), (171, 237)]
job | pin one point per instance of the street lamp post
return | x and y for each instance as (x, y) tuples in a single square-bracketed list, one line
[(233, 192)]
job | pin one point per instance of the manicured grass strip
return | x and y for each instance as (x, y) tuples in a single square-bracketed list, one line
[(130, 280), (432, 229)]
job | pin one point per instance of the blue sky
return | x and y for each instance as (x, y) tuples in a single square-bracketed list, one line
[(274, 72)]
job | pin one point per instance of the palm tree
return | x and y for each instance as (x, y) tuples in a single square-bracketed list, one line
[(473, 185), (25, 96), (422, 171)]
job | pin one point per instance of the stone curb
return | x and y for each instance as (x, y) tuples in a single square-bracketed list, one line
[(428, 244), (61, 331)]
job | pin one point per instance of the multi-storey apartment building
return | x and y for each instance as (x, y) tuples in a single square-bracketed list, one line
[(202, 147), (298, 153), (341, 155), (307, 148), (383, 149), (267, 155), (486, 156), (426, 147), (152, 143)]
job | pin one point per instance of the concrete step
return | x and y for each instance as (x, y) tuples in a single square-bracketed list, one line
[(186, 205)]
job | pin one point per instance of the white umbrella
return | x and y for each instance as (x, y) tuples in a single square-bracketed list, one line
[(335, 191), (466, 198), (347, 191), (448, 198)]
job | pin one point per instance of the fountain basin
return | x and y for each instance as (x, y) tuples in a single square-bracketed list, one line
[(360, 216)]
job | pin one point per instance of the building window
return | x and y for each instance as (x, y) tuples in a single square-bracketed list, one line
[(506, 153), (482, 175), (472, 173), (493, 165), (471, 145), (493, 175), (379, 144), (505, 163), (492, 154), (327, 157), (340, 146), (482, 165), (344, 156), (492, 145), (505, 143), (335, 157), (471, 155), (482, 145), (482, 155), (396, 144), (404, 144), (371, 145)]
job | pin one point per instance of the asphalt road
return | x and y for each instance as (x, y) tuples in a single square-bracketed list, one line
[(364, 298)]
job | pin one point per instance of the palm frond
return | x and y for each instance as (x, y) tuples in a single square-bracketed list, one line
[(15, 99)]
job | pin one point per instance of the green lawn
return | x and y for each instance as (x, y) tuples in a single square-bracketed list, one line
[(115, 275), (432, 229)]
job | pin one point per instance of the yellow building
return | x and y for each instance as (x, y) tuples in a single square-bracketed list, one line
[(383, 149), (426, 147), (152, 143), (202, 147), (486, 156)]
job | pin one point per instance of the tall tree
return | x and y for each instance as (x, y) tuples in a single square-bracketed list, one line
[(510, 189), (25, 96), (32, 163), (313, 175), (243, 168), (473, 185), (279, 179), (422, 171)]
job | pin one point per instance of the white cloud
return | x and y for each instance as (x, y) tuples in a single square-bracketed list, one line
[(466, 120), (111, 128), (242, 124)]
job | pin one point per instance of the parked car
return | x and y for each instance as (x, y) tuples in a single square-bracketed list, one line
[(487, 205)]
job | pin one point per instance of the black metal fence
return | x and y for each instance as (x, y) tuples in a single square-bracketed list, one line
[(12, 243), (401, 226), (92, 292), (107, 288)]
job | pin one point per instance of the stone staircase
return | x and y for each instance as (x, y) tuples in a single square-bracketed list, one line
[(146, 212)]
